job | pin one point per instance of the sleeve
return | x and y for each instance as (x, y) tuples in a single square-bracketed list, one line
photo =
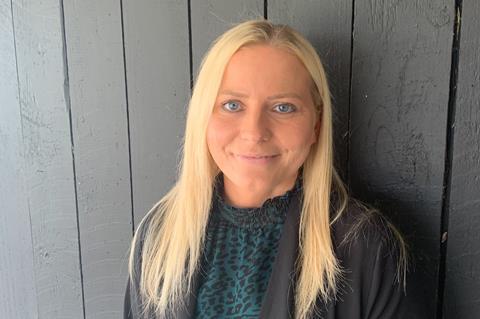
[(132, 300), (385, 295), (127, 306), (131, 305)]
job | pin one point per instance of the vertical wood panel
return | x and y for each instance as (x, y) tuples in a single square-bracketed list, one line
[(327, 24), (99, 119), (17, 281), (211, 18), (401, 68), (462, 285), (158, 80), (400, 82), (49, 181)]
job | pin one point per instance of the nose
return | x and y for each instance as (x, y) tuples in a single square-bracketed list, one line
[(255, 125)]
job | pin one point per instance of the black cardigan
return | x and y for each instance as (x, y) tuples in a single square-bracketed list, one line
[(369, 288)]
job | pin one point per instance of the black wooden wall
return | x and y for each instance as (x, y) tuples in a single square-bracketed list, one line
[(92, 104)]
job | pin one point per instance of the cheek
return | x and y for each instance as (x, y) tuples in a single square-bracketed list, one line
[(298, 140), (217, 135), (211, 138)]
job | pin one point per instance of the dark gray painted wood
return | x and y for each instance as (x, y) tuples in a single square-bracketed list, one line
[(158, 80), (211, 18), (94, 44), (47, 154), (327, 24), (400, 79), (462, 284), (401, 69), (17, 278)]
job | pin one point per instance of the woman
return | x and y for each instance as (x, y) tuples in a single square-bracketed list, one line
[(259, 224)]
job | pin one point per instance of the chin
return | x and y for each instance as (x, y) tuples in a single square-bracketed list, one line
[(250, 179)]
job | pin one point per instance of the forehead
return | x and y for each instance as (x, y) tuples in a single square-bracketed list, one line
[(266, 67)]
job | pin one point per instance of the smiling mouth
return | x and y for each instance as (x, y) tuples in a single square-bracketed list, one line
[(256, 157)]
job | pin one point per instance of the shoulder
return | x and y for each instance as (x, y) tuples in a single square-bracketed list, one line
[(371, 256), (364, 238), (133, 300), (360, 224), (137, 245)]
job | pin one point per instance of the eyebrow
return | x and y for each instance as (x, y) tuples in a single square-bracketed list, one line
[(272, 97)]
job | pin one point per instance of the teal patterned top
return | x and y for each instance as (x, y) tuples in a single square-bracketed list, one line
[(240, 248)]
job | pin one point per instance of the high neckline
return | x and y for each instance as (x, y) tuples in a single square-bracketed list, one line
[(272, 211)]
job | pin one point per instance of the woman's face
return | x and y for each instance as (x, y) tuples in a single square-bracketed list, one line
[(263, 122)]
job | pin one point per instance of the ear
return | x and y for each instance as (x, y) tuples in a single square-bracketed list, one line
[(317, 127)]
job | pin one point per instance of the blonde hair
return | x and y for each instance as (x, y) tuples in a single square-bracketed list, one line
[(177, 223)]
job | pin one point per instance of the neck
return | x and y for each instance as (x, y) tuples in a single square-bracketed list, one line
[(254, 194)]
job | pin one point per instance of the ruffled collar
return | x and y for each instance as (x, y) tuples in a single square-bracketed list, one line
[(273, 210)]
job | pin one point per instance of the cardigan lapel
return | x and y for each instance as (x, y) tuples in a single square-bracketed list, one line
[(187, 311), (278, 302)]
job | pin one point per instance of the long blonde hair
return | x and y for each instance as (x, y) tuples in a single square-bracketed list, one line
[(177, 223)]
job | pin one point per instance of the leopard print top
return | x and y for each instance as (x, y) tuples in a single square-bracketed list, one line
[(240, 248)]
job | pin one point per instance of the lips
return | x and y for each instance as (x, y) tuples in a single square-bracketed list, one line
[(256, 156)]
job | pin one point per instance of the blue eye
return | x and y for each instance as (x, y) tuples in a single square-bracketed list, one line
[(284, 108), (231, 106)]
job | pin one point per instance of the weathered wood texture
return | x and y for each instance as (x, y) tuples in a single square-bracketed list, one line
[(93, 97), (327, 24), (211, 18), (47, 159), (400, 88), (93, 32), (462, 286), (158, 84), (17, 273)]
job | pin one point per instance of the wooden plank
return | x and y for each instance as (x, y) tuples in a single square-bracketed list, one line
[(462, 284), (211, 18), (327, 25), (93, 31), (400, 84), (158, 77), (47, 155), (17, 277)]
